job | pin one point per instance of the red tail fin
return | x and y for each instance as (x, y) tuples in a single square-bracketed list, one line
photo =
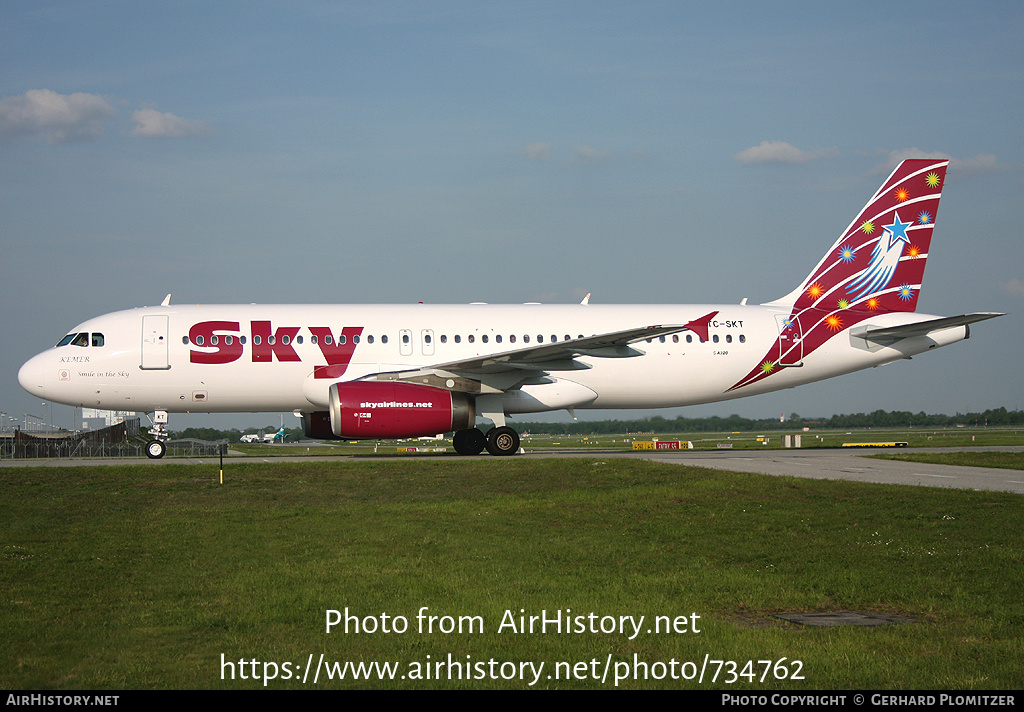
[(877, 264), (874, 267)]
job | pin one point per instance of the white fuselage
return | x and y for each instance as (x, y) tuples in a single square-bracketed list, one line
[(159, 358)]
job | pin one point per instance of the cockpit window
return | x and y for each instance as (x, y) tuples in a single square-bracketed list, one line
[(81, 339)]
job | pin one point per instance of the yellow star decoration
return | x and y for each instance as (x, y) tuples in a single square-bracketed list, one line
[(767, 367), (815, 291), (902, 195), (834, 322), (932, 179), (843, 304), (868, 227)]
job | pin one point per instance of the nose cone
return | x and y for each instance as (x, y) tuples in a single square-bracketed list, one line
[(31, 376)]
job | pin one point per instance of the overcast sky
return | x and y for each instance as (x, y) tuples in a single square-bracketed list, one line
[(645, 152)]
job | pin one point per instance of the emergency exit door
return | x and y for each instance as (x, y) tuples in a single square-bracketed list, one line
[(154, 343)]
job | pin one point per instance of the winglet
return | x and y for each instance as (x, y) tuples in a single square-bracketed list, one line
[(700, 326), (166, 302), (586, 299)]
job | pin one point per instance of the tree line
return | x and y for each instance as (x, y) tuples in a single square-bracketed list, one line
[(713, 424)]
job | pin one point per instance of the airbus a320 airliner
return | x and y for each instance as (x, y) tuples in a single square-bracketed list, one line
[(373, 371)]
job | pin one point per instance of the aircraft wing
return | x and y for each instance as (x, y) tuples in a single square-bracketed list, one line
[(557, 356), (923, 328), (495, 372)]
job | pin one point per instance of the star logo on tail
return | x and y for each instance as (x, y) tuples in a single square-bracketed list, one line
[(884, 259)]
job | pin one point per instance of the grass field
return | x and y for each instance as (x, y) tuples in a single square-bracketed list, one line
[(143, 577)]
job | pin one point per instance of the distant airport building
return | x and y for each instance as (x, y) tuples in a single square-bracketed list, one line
[(93, 419)]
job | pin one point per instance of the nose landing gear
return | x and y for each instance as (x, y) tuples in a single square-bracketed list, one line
[(155, 448)]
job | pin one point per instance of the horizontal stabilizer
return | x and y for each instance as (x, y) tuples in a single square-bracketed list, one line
[(923, 328)]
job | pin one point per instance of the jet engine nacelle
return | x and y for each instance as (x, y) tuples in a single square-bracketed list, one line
[(370, 410), (317, 425)]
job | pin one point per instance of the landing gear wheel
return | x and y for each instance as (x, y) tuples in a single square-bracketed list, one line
[(469, 442), (502, 441), (155, 449)]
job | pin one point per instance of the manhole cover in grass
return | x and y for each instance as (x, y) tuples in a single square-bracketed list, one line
[(829, 620)]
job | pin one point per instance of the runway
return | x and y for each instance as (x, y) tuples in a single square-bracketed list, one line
[(822, 464), (828, 464)]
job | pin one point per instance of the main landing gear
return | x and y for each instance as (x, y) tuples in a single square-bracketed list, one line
[(498, 441), (469, 442)]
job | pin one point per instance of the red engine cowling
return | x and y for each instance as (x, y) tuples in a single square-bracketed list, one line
[(387, 409)]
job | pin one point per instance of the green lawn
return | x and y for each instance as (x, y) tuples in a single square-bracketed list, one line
[(144, 577)]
